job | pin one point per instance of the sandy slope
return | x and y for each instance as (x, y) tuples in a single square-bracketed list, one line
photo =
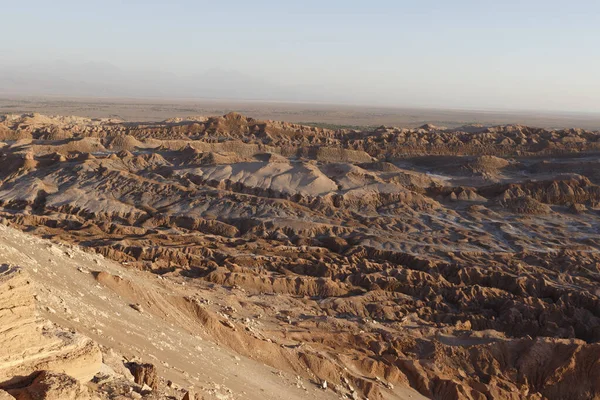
[(69, 295)]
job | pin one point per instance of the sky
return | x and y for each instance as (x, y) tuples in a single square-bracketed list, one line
[(469, 54)]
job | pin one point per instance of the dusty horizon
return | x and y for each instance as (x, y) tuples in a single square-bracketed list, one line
[(344, 115)]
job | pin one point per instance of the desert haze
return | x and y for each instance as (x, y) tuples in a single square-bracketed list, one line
[(137, 109)]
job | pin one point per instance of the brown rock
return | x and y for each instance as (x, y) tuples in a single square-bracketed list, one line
[(527, 205), (577, 208), (144, 374), (52, 386)]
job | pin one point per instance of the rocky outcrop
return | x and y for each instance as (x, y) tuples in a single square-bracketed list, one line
[(28, 343), (144, 374), (560, 191), (49, 385), (526, 205)]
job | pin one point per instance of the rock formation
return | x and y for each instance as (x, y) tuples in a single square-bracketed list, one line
[(28, 343), (457, 263)]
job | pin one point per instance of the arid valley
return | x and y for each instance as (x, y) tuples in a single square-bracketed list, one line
[(228, 257)]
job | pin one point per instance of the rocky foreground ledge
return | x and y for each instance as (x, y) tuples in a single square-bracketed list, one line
[(30, 344), (40, 360), (137, 336)]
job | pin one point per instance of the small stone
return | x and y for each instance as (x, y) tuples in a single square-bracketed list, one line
[(228, 324), (137, 307)]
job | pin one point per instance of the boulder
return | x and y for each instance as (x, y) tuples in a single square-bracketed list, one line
[(49, 385), (144, 374)]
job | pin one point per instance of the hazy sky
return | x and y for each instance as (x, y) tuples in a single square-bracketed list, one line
[(507, 54)]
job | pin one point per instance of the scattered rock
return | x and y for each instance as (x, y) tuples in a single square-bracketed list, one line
[(144, 374), (137, 307)]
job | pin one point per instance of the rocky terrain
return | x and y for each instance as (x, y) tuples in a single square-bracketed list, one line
[(237, 258)]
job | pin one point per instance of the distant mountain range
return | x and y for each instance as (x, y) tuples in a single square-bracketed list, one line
[(103, 79)]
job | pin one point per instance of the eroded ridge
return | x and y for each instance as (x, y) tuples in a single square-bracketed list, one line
[(462, 263)]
